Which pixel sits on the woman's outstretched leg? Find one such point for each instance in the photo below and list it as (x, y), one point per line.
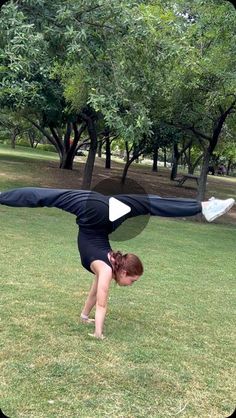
(90, 208)
(210, 209)
(32, 197)
(72, 201)
(160, 206)
(174, 207)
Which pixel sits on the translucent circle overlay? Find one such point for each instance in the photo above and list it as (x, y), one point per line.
(112, 187)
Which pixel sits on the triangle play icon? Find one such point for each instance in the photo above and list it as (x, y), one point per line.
(117, 209)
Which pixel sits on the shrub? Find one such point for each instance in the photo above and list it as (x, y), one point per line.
(23, 142)
(46, 147)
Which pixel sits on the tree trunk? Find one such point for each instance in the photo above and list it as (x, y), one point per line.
(213, 142)
(66, 150)
(88, 170)
(13, 140)
(67, 160)
(16, 132)
(197, 162)
(100, 149)
(108, 152)
(175, 162)
(155, 158)
(31, 139)
(189, 161)
(125, 171)
(192, 164)
(203, 176)
(229, 163)
(57, 142)
(138, 150)
(67, 157)
(164, 151)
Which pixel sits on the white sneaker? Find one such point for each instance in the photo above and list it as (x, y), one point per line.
(216, 207)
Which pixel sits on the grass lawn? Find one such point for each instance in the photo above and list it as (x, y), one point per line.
(170, 339)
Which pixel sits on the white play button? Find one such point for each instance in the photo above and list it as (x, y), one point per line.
(117, 209)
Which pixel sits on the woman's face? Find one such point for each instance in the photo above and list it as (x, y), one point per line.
(123, 279)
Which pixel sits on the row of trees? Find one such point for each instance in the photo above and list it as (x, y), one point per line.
(150, 74)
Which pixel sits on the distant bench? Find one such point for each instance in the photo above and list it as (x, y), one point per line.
(181, 180)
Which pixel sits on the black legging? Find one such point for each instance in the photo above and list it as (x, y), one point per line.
(92, 208)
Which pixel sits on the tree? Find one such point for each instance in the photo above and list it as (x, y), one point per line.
(35, 89)
(133, 152)
(226, 149)
(54, 103)
(31, 33)
(130, 64)
(200, 87)
(11, 126)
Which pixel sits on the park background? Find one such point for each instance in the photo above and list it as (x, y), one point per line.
(135, 89)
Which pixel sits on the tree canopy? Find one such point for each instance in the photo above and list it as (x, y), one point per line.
(129, 67)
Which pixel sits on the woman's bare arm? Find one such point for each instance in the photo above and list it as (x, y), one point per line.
(90, 302)
(104, 277)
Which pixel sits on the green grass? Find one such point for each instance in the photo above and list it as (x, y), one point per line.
(22, 166)
(170, 339)
(8, 154)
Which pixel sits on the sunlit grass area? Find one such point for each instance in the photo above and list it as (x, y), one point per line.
(9, 154)
(170, 338)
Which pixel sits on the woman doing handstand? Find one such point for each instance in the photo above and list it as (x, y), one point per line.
(92, 216)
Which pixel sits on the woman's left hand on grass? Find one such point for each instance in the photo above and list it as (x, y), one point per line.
(87, 321)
